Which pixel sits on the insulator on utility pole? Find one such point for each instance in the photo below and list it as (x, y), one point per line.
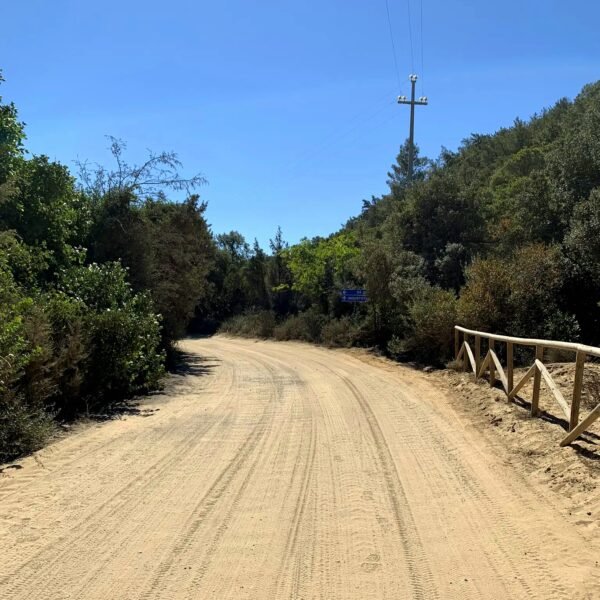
(422, 101)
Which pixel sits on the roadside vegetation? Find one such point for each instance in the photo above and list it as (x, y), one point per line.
(99, 277)
(502, 235)
(101, 271)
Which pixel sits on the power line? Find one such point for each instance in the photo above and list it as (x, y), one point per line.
(387, 9)
(336, 135)
(347, 135)
(295, 175)
(410, 37)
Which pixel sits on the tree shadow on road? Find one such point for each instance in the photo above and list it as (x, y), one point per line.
(188, 363)
(184, 368)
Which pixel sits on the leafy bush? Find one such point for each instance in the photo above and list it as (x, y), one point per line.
(123, 334)
(485, 300)
(432, 317)
(258, 324)
(23, 429)
(339, 332)
(51, 347)
(305, 326)
(518, 296)
(24, 425)
(15, 352)
(583, 240)
(167, 250)
(70, 339)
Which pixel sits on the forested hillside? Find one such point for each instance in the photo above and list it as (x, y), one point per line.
(101, 273)
(501, 235)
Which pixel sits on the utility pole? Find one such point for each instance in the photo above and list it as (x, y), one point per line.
(413, 102)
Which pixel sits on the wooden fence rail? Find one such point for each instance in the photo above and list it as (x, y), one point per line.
(491, 363)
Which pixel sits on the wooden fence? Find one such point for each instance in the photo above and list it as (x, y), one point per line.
(471, 356)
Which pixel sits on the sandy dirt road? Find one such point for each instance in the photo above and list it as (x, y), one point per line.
(285, 471)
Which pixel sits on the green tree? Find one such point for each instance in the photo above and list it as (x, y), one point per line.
(583, 238)
(320, 266)
(398, 175)
(45, 209)
(12, 136)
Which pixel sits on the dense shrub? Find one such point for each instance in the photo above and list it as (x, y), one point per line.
(583, 240)
(51, 346)
(167, 251)
(24, 424)
(519, 296)
(485, 300)
(23, 428)
(70, 343)
(431, 317)
(340, 332)
(305, 326)
(122, 334)
(254, 324)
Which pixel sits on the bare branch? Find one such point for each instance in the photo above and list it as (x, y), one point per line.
(159, 172)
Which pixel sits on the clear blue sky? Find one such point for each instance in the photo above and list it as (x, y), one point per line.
(286, 107)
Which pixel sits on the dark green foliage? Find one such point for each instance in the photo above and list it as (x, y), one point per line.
(343, 332)
(12, 135)
(181, 257)
(583, 241)
(429, 335)
(22, 429)
(305, 326)
(95, 284)
(24, 425)
(122, 333)
(260, 324)
(502, 235)
(521, 296)
(398, 175)
(44, 209)
(166, 248)
(438, 213)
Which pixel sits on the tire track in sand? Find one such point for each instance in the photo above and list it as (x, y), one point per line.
(209, 501)
(419, 570)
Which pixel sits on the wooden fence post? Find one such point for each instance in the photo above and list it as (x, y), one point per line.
(456, 343)
(578, 385)
(467, 350)
(537, 379)
(492, 365)
(510, 365)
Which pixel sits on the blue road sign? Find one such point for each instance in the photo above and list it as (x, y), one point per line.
(354, 295)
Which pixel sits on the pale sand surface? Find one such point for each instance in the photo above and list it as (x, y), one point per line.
(281, 470)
